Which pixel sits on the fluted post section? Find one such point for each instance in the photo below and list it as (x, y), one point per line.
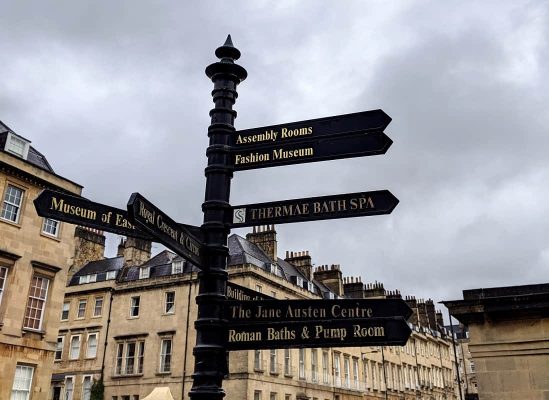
(209, 353)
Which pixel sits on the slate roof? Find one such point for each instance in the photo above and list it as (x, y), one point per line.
(100, 267)
(160, 265)
(241, 251)
(34, 157)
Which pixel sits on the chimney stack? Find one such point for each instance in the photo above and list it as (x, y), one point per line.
(89, 245)
(331, 277)
(302, 261)
(265, 238)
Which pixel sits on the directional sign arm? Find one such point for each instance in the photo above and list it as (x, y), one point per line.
(81, 211)
(305, 151)
(168, 232)
(314, 208)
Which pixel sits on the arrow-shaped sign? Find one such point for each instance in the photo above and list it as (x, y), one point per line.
(366, 121)
(265, 311)
(339, 333)
(168, 232)
(81, 211)
(314, 208)
(311, 150)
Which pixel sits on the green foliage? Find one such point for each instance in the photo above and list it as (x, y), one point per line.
(97, 390)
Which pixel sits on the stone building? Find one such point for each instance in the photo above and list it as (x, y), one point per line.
(34, 255)
(509, 339)
(150, 337)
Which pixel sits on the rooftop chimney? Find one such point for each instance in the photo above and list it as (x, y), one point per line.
(265, 238)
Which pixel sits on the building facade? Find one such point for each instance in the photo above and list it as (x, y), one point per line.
(508, 339)
(34, 256)
(150, 337)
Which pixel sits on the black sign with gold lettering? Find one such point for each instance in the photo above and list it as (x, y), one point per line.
(314, 208)
(310, 150)
(265, 311)
(366, 121)
(168, 232)
(81, 211)
(241, 293)
(339, 333)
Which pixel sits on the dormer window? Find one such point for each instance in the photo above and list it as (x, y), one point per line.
(144, 272)
(17, 145)
(177, 267)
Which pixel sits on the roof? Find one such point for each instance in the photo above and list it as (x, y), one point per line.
(34, 157)
(100, 268)
(159, 265)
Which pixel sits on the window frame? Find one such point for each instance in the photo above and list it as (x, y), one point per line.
(163, 355)
(38, 300)
(166, 302)
(47, 222)
(18, 207)
(102, 300)
(72, 379)
(71, 347)
(78, 309)
(273, 359)
(62, 337)
(30, 381)
(121, 357)
(96, 334)
(4, 281)
(63, 310)
(9, 146)
(134, 306)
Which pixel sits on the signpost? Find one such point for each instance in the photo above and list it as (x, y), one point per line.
(251, 320)
(80, 211)
(164, 229)
(314, 208)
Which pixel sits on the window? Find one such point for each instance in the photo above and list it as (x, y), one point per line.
(129, 357)
(347, 371)
(177, 267)
(257, 395)
(11, 206)
(86, 387)
(355, 373)
(69, 387)
(325, 373)
(134, 306)
(258, 288)
(314, 365)
(144, 272)
(91, 350)
(169, 304)
(337, 370)
(472, 365)
(3, 278)
(258, 364)
(75, 347)
(273, 396)
(287, 362)
(273, 361)
(65, 311)
(50, 227)
(98, 307)
(301, 363)
(17, 146)
(81, 309)
(110, 275)
(36, 303)
(22, 382)
(165, 355)
(59, 348)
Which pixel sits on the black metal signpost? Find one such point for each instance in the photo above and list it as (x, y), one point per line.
(247, 320)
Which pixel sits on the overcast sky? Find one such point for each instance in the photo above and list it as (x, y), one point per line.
(114, 94)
